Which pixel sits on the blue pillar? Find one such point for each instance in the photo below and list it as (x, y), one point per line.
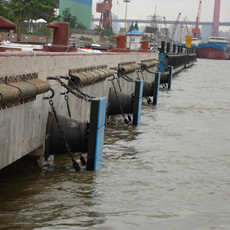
(96, 134)
(162, 59)
(156, 88)
(170, 77)
(137, 102)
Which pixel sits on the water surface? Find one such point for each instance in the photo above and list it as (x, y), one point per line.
(171, 172)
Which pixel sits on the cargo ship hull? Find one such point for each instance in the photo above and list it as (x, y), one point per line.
(212, 53)
(215, 48)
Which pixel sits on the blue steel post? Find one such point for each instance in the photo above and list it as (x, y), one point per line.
(170, 77)
(137, 102)
(96, 134)
(185, 65)
(156, 88)
(162, 58)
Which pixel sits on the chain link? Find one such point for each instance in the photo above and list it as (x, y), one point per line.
(146, 97)
(126, 119)
(79, 91)
(77, 94)
(75, 164)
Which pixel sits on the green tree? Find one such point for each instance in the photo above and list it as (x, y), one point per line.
(68, 17)
(109, 31)
(145, 37)
(131, 27)
(80, 26)
(5, 10)
(100, 31)
(32, 9)
(136, 26)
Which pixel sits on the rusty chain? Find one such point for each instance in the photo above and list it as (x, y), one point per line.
(128, 118)
(77, 94)
(75, 164)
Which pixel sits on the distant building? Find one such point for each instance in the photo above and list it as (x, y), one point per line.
(82, 9)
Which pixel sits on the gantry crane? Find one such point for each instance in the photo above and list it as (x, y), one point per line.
(196, 30)
(106, 15)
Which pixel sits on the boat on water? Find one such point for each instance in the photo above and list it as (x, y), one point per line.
(215, 48)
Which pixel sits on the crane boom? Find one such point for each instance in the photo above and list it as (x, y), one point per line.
(186, 24)
(196, 30)
(175, 26)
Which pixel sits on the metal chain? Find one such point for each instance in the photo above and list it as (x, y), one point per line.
(125, 77)
(119, 85)
(146, 97)
(164, 64)
(75, 164)
(126, 120)
(79, 91)
(138, 76)
(67, 104)
(76, 94)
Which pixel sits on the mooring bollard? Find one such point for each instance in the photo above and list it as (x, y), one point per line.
(168, 48)
(96, 135)
(174, 48)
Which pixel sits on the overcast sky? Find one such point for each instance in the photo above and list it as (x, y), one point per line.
(141, 9)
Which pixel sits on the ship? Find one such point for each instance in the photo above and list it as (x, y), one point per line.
(214, 48)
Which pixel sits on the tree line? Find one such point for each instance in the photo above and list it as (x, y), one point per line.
(34, 9)
(29, 9)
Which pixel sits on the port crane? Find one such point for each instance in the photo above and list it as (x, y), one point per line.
(175, 26)
(106, 15)
(186, 24)
(196, 30)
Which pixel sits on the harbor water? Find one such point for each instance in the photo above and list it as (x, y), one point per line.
(170, 173)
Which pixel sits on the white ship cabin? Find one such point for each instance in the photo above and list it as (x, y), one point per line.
(218, 39)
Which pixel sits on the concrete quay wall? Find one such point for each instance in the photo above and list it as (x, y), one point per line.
(23, 127)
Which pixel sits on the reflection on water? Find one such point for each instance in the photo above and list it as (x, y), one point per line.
(171, 172)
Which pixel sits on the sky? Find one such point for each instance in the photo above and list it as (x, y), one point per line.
(142, 9)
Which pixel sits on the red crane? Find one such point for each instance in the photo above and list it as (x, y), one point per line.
(196, 30)
(106, 15)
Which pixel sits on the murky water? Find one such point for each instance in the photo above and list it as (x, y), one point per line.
(171, 172)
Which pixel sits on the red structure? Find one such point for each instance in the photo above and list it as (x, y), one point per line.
(60, 38)
(6, 24)
(121, 44)
(144, 46)
(216, 18)
(196, 30)
(106, 15)
(61, 32)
